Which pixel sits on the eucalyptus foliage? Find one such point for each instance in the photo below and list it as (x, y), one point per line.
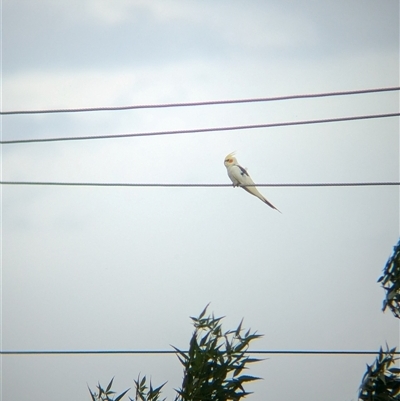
(106, 394)
(144, 393)
(213, 367)
(381, 381)
(390, 280)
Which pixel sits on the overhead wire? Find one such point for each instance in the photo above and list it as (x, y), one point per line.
(144, 352)
(201, 130)
(204, 103)
(189, 185)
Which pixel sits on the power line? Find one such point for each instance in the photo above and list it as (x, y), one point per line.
(160, 352)
(184, 185)
(205, 103)
(199, 130)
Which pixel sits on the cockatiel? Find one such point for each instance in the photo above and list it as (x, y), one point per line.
(240, 177)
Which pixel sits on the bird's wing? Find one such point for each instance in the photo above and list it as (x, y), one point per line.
(242, 175)
(234, 174)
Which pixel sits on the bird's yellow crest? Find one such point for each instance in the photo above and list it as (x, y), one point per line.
(230, 159)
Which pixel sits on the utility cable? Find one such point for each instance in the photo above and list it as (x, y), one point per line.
(183, 185)
(205, 103)
(198, 130)
(123, 352)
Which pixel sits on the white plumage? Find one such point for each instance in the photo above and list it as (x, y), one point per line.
(240, 177)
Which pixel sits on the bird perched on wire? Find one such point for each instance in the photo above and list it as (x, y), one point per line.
(240, 177)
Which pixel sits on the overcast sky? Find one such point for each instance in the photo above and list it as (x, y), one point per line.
(94, 268)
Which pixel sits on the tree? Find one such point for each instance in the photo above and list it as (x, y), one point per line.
(381, 381)
(390, 280)
(212, 368)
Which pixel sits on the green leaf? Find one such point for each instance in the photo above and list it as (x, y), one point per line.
(204, 311)
(239, 329)
(158, 389)
(238, 371)
(252, 360)
(109, 385)
(121, 395)
(183, 354)
(246, 378)
(91, 394)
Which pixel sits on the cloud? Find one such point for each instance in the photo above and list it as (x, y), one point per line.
(50, 36)
(113, 13)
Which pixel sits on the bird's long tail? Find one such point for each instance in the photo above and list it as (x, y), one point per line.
(252, 190)
(271, 205)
